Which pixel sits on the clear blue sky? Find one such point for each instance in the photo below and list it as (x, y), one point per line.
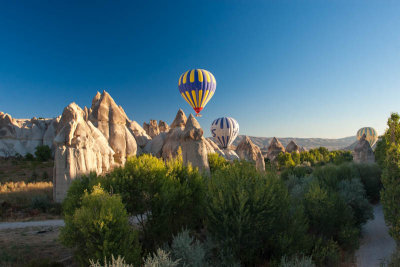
(283, 68)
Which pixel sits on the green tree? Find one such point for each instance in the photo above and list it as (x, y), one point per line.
(100, 228)
(390, 194)
(43, 153)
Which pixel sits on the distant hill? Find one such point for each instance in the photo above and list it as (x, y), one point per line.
(331, 144)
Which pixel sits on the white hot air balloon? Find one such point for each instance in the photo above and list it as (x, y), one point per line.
(225, 130)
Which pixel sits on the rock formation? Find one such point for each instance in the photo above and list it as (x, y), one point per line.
(275, 147)
(246, 150)
(292, 147)
(172, 140)
(22, 136)
(142, 138)
(163, 126)
(363, 152)
(194, 147)
(111, 120)
(80, 149)
(152, 128)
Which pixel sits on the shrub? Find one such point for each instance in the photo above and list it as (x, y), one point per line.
(370, 175)
(245, 211)
(115, 262)
(189, 251)
(100, 228)
(216, 162)
(160, 258)
(43, 153)
(326, 252)
(302, 261)
(29, 157)
(41, 202)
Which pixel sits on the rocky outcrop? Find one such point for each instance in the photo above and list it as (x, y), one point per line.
(180, 120)
(80, 148)
(246, 150)
(152, 128)
(155, 146)
(275, 147)
(194, 145)
(142, 138)
(230, 155)
(111, 120)
(363, 152)
(173, 138)
(292, 147)
(163, 126)
(22, 136)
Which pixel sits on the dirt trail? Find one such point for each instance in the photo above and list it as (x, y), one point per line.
(376, 244)
(15, 225)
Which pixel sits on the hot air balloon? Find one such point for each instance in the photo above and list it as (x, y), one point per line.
(197, 87)
(225, 130)
(370, 134)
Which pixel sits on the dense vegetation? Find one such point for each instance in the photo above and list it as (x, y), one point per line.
(313, 157)
(234, 216)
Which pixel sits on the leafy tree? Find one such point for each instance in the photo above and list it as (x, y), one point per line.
(380, 151)
(43, 153)
(100, 228)
(390, 195)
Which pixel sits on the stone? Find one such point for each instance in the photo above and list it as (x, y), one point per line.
(230, 155)
(155, 145)
(194, 148)
(274, 149)
(108, 117)
(80, 148)
(142, 138)
(152, 128)
(246, 150)
(363, 152)
(163, 126)
(292, 147)
(180, 120)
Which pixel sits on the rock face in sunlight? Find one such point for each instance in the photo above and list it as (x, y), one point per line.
(111, 120)
(194, 145)
(22, 136)
(275, 147)
(102, 137)
(80, 149)
(363, 152)
(292, 147)
(246, 150)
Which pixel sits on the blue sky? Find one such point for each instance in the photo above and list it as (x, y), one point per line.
(283, 68)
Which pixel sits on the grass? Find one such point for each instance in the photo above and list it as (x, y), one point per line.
(21, 193)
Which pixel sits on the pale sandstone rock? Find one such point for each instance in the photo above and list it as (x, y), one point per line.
(230, 154)
(363, 152)
(155, 145)
(292, 147)
(80, 149)
(163, 126)
(194, 148)
(111, 121)
(180, 120)
(152, 128)
(173, 139)
(274, 149)
(246, 150)
(142, 138)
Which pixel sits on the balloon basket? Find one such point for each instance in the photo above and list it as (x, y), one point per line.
(198, 115)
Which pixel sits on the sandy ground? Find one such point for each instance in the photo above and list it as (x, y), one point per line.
(376, 244)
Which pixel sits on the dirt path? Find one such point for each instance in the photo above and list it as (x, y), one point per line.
(376, 244)
(16, 225)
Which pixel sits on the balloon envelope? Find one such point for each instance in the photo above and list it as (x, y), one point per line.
(225, 130)
(370, 134)
(197, 87)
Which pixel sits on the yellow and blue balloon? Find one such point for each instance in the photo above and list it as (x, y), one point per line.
(197, 87)
(370, 134)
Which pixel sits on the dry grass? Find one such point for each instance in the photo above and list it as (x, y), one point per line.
(21, 193)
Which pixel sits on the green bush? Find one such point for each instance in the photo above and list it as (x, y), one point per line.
(245, 212)
(326, 252)
(297, 261)
(41, 202)
(29, 157)
(188, 250)
(370, 175)
(43, 153)
(216, 162)
(100, 228)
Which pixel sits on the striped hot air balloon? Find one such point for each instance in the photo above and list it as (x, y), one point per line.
(197, 87)
(370, 134)
(225, 130)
